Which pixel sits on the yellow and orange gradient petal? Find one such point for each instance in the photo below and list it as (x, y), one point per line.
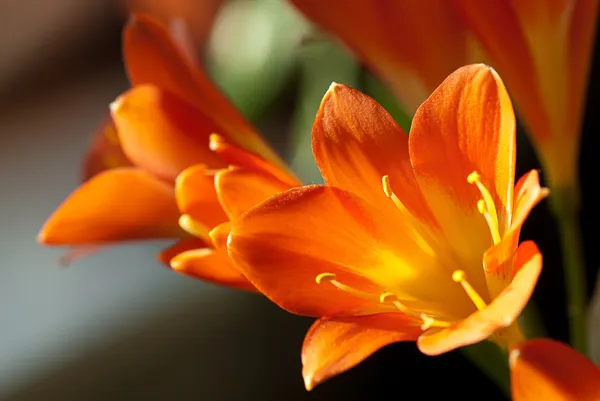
(548, 370)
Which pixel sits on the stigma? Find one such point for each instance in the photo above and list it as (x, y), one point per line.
(486, 206)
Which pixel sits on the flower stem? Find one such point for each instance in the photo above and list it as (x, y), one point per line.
(492, 361)
(565, 205)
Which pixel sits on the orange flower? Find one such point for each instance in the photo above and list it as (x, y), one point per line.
(543, 50)
(548, 370)
(410, 46)
(412, 237)
(158, 128)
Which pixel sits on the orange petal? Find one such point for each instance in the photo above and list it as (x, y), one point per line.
(497, 27)
(220, 234)
(162, 133)
(199, 15)
(196, 196)
(466, 125)
(333, 346)
(284, 243)
(210, 265)
(356, 142)
(412, 67)
(240, 189)
(179, 247)
(528, 193)
(499, 314)
(105, 152)
(116, 205)
(153, 55)
(242, 158)
(548, 370)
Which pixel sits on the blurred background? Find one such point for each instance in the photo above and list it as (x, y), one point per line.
(119, 326)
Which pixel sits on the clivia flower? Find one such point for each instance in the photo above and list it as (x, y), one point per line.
(413, 237)
(157, 130)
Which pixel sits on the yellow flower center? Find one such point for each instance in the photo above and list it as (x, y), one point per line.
(486, 207)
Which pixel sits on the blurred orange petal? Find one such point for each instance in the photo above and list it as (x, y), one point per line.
(115, 205)
(333, 346)
(105, 152)
(199, 15)
(239, 189)
(356, 142)
(498, 317)
(433, 44)
(237, 156)
(543, 369)
(196, 196)
(212, 265)
(162, 133)
(220, 234)
(179, 247)
(153, 55)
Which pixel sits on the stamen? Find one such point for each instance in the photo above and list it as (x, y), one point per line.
(387, 190)
(331, 278)
(429, 322)
(416, 225)
(327, 277)
(393, 299)
(486, 206)
(459, 276)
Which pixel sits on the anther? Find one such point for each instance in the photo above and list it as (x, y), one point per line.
(387, 187)
(324, 277)
(459, 276)
(429, 322)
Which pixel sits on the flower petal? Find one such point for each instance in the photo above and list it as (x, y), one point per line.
(179, 247)
(497, 27)
(153, 55)
(499, 314)
(466, 125)
(161, 133)
(115, 205)
(196, 196)
(239, 189)
(548, 370)
(237, 156)
(105, 152)
(356, 142)
(284, 243)
(333, 346)
(413, 66)
(212, 265)
(528, 193)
